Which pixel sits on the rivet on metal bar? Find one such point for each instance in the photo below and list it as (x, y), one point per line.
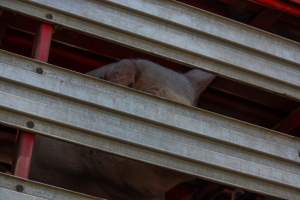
(19, 188)
(30, 124)
(49, 16)
(39, 70)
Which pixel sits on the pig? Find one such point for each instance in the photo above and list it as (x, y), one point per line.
(99, 173)
(157, 80)
(106, 175)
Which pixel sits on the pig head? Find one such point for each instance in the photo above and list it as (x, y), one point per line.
(157, 80)
(106, 175)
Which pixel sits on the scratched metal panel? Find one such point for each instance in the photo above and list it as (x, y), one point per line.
(6, 194)
(183, 34)
(29, 190)
(95, 113)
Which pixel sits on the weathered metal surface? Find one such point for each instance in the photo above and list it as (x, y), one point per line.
(12, 195)
(98, 114)
(13, 188)
(183, 34)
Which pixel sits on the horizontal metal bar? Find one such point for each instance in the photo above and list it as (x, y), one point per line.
(13, 188)
(217, 26)
(12, 195)
(183, 34)
(112, 118)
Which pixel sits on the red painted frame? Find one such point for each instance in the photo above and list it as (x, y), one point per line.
(26, 141)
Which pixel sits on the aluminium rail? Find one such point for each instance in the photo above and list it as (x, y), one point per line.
(92, 112)
(180, 33)
(13, 188)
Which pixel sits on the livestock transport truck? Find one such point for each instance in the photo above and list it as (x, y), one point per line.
(66, 135)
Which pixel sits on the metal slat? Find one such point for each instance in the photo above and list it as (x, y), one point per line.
(12, 195)
(13, 188)
(183, 34)
(217, 26)
(98, 114)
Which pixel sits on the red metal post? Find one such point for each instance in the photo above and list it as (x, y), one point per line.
(26, 143)
(42, 42)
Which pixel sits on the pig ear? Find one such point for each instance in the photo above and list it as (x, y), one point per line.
(199, 79)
